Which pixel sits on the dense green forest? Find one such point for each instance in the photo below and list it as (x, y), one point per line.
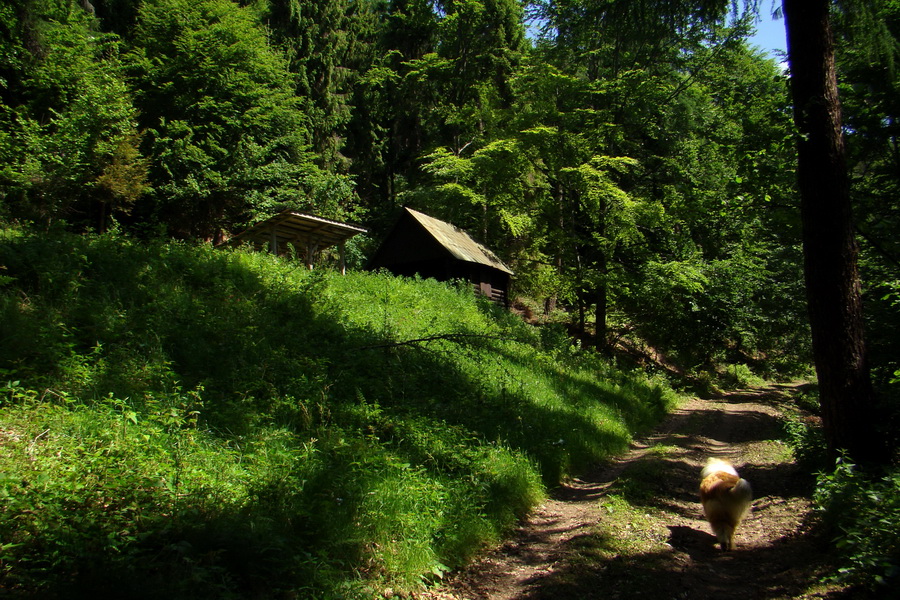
(635, 167)
(634, 162)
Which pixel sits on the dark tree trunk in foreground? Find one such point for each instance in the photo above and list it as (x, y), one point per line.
(829, 244)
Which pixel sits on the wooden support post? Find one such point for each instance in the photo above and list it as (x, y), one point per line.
(343, 264)
(273, 245)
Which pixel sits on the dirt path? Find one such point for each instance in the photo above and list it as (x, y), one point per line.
(633, 528)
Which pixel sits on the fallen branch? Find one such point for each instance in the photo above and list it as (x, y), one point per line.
(453, 337)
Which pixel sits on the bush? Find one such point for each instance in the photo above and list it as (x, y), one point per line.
(734, 376)
(865, 514)
(806, 441)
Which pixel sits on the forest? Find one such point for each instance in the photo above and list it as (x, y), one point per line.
(648, 175)
(634, 166)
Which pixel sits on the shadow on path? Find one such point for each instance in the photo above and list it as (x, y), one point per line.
(633, 528)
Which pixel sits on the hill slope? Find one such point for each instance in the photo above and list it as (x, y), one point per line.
(188, 422)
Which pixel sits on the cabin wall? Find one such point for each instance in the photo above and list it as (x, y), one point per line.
(410, 250)
(405, 246)
(491, 283)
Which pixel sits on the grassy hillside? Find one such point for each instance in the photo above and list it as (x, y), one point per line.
(184, 422)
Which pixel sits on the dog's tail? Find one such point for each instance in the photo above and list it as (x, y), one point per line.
(727, 510)
(716, 464)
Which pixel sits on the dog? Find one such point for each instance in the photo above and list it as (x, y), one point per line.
(725, 498)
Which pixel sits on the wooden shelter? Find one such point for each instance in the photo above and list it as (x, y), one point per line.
(308, 234)
(425, 246)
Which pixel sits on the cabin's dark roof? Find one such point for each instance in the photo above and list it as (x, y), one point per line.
(295, 227)
(458, 243)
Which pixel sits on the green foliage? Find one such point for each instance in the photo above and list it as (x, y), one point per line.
(802, 431)
(738, 376)
(633, 162)
(66, 130)
(806, 441)
(190, 422)
(864, 513)
(322, 39)
(227, 134)
(616, 141)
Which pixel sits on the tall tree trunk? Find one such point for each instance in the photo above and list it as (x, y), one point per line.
(550, 302)
(602, 311)
(601, 295)
(829, 244)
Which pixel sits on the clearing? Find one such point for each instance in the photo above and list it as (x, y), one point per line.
(634, 526)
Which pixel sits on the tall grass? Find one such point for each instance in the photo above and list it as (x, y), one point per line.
(184, 421)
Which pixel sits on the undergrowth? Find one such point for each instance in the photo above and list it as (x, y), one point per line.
(863, 513)
(859, 509)
(185, 422)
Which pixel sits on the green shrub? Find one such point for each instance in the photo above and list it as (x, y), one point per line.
(806, 441)
(864, 513)
(739, 376)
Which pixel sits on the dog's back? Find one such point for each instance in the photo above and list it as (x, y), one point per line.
(725, 498)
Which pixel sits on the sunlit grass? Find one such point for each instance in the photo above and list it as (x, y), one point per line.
(220, 417)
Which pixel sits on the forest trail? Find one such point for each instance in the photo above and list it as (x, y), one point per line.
(634, 528)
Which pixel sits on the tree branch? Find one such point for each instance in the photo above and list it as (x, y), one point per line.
(453, 337)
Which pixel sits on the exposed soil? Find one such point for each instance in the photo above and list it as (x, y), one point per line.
(634, 528)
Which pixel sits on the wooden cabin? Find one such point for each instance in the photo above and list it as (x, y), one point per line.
(425, 246)
(308, 235)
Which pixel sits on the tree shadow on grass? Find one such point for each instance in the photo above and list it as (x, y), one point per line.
(562, 436)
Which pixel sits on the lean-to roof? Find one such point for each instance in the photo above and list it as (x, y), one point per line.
(458, 242)
(296, 227)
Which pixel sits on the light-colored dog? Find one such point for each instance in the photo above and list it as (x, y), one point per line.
(725, 498)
